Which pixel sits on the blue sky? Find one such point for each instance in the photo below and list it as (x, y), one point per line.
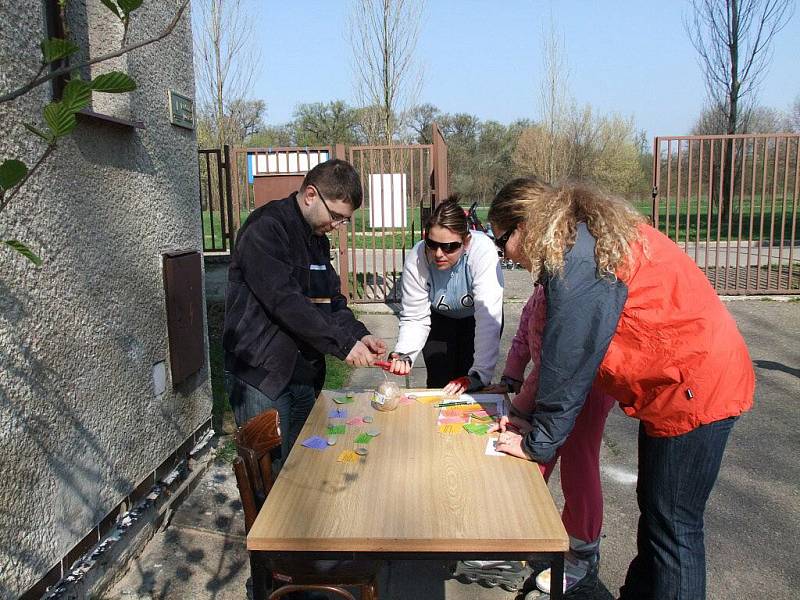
(484, 57)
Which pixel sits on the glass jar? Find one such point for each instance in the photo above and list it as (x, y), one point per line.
(386, 396)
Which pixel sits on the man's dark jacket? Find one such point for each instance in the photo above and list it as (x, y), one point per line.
(277, 268)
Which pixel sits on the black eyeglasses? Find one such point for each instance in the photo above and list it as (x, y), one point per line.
(447, 247)
(336, 218)
(503, 239)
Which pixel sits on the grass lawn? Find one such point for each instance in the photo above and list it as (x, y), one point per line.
(338, 372)
(212, 236)
(705, 221)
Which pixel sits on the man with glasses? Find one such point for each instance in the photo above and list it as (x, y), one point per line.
(284, 308)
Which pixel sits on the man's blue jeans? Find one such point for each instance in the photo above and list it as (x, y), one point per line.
(676, 475)
(293, 404)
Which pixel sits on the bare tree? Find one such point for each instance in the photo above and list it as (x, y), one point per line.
(793, 118)
(759, 119)
(383, 37)
(554, 102)
(225, 60)
(733, 39)
(419, 121)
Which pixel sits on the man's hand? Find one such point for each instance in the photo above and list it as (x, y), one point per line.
(375, 344)
(360, 355)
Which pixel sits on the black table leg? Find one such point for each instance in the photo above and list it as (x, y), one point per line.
(557, 577)
(261, 576)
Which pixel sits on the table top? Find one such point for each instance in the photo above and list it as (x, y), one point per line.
(417, 490)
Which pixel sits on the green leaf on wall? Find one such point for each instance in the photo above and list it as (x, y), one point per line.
(128, 6)
(24, 250)
(11, 173)
(77, 95)
(112, 6)
(113, 82)
(56, 49)
(60, 118)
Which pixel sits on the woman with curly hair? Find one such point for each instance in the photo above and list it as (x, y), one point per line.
(631, 313)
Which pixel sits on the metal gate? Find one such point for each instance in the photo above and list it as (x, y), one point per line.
(402, 184)
(731, 203)
(397, 194)
(215, 199)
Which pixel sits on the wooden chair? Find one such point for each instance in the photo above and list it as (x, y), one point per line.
(255, 441)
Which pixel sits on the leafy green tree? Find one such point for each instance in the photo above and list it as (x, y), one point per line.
(325, 123)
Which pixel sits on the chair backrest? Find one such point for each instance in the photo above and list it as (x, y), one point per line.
(246, 493)
(328, 589)
(255, 441)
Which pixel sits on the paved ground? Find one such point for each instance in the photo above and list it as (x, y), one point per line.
(753, 517)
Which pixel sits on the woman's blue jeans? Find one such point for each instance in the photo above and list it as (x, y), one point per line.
(676, 475)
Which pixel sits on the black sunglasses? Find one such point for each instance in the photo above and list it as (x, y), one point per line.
(447, 247)
(503, 239)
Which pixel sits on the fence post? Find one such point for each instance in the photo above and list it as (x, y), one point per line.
(233, 171)
(229, 197)
(440, 178)
(656, 176)
(340, 152)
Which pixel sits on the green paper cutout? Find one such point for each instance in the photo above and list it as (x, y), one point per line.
(344, 400)
(477, 428)
(363, 438)
(337, 430)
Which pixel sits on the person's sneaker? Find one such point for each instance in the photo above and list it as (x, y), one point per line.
(579, 574)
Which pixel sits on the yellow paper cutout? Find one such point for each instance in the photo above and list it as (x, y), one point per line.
(348, 456)
(428, 399)
(451, 428)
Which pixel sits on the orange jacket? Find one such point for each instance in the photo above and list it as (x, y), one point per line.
(657, 338)
(677, 359)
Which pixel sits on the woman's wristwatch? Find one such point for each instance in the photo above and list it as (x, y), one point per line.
(509, 382)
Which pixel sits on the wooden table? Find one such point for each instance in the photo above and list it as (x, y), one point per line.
(417, 494)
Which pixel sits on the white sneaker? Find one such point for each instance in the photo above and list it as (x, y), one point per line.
(578, 573)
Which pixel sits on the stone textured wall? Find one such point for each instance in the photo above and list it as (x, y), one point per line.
(80, 425)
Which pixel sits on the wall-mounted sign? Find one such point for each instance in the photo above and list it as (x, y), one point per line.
(181, 110)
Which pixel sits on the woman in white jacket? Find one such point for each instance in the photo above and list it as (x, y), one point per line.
(452, 304)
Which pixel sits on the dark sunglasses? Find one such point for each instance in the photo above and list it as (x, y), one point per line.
(503, 239)
(447, 247)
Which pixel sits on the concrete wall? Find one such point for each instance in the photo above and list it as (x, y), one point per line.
(80, 425)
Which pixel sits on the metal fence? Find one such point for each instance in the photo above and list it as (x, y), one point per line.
(397, 197)
(401, 183)
(215, 199)
(731, 203)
